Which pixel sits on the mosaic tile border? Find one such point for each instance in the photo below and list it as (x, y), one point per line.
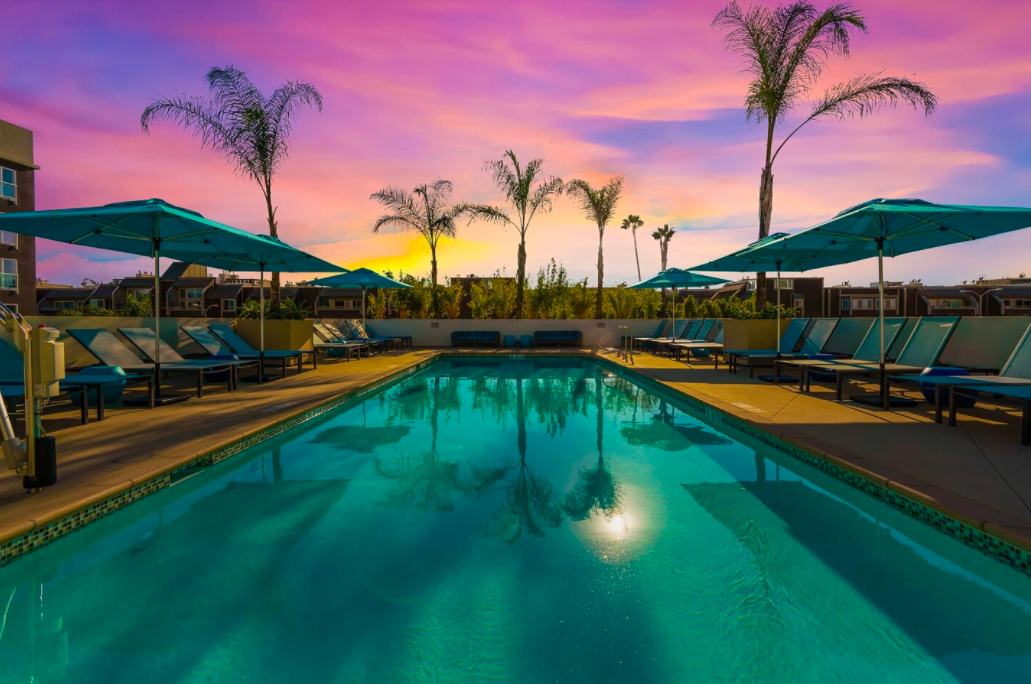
(38, 538)
(35, 539)
(991, 546)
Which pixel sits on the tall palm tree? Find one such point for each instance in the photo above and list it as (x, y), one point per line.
(633, 222)
(249, 130)
(664, 235)
(528, 192)
(598, 205)
(785, 51)
(428, 210)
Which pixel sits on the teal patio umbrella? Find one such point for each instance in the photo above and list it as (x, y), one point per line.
(877, 228)
(155, 228)
(360, 277)
(752, 260)
(675, 278)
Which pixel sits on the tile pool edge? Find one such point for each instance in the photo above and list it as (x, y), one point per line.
(25, 538)
(917, 505)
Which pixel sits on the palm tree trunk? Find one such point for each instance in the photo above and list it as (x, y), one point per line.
(663, 252)
(765, 209)
(598, 303)
(273, 230)
(520, 276)
(433, 278)
(636, 257)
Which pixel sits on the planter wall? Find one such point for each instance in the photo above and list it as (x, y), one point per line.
(279, 335)
(752, 334)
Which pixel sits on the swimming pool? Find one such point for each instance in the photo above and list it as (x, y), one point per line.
(484, 521)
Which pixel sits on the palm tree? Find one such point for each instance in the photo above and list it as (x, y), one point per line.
(786, 51)
(428, 210)
(528, 193)
(633, 222)
(249, 130)
(664, 235)
(598, 205)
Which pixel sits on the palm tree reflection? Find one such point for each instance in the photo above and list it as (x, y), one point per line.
(596, 489)
(427, 481)
(530, 503)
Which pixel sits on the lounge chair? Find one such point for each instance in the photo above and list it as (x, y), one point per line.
(143, 340)
(654, 335)
(12, 382)
(868, 349)
(406, 340)
(215, 346)
(106, 348)
(678, 329)
(790, 338)
(245, 351)
(360, 333)
(699, 349)
(326, 340)
(921, 351)
(346, 335)
(1014, 373)
(705, 331)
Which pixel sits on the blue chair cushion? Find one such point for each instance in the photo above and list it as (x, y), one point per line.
(526, 340)
(927, 389)
(510, 340)
(112, 392)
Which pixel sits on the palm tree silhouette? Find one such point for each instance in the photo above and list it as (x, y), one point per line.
(249, 130)
(598, 205)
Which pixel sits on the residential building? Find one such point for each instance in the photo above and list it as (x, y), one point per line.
(804, 294)
(17, 193)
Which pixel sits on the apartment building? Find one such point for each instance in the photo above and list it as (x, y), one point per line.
(17, 193)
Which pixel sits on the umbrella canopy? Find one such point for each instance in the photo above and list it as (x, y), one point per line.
(674, 278)
(874, 229)
(155, 228)
(360, 277)
(677, 277)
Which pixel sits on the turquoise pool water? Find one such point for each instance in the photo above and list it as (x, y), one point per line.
(511, 521)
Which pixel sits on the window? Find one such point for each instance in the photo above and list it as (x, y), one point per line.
(339, 303)
(229, 305)
(8, 184)
(140, 292)
(868, 303)
(1018, 303)
(786, 283)
(63, 304)
(99, 303)
(8, 238)
(947, 303)
(8, 274)
(191, 297)
(798, 302)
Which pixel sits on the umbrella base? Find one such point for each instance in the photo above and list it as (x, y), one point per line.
(163, 400)
(877, 401)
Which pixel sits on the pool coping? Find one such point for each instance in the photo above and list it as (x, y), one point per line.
(990, 539)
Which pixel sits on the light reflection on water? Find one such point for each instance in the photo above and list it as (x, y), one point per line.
(511, 522)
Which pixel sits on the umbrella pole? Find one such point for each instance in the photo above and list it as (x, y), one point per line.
(261, 317)
(778, 309)
(880, 296)
(363, 307)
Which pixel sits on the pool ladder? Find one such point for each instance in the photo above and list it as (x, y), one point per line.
(627, 349)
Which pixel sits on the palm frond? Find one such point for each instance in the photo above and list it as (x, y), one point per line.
(864, 95)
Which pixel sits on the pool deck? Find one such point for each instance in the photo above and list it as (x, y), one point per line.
(977, 473)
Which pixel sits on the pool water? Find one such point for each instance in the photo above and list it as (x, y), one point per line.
(512, 521)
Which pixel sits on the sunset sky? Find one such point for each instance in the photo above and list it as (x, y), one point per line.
(419, 90)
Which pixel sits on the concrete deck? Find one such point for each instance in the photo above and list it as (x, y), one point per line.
(977, 473)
